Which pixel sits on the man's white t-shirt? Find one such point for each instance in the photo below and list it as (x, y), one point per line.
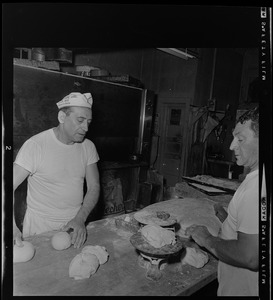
(243, 212)
(55, 184)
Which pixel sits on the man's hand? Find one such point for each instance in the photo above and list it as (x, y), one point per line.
(220, 212)
(17, 236)
(79, 232)
(199, 234)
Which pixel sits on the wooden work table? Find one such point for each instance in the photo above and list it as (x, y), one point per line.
(48, 272)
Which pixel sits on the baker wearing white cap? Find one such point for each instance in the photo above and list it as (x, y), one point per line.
(58, 160)
(76, 126)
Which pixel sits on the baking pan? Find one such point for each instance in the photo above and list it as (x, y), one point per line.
(227, 190)
(206, 189)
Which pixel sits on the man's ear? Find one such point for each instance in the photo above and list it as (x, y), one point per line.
(61, 116)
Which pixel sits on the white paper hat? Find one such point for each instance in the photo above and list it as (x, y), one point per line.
(76, 99)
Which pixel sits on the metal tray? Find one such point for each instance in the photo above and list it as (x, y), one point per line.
(203, 190)
(225, 190)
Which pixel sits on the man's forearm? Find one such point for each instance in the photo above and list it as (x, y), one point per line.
(13, 212)
(229, 252)
(89, 202)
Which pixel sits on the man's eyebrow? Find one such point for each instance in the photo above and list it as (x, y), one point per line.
(239, 133)
(236, 132)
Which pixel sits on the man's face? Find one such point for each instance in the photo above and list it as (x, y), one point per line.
(76, 124)
(245, 145)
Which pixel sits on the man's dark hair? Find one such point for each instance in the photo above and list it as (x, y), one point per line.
(253, 116)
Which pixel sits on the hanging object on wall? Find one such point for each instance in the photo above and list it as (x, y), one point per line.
(220, 132)
(221, 129)
(211, 104)
(209, 126)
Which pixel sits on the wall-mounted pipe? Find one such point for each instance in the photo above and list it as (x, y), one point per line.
(210, 97)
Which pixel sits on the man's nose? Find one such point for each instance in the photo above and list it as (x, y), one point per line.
(85, 126)
(232, 145)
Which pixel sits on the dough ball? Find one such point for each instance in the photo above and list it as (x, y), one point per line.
(158, 236)
(195, 257)
(99, 251)
(23, 254)
(83, 265)
(61, 240)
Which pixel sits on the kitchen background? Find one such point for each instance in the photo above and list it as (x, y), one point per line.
(192, 98)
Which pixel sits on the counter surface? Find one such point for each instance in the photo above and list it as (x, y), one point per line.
(47, 273)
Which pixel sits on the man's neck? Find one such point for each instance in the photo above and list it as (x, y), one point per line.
(61, 136)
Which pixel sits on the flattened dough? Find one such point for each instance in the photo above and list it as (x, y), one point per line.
(99, 251)
(189, 211)
(86, 263)
(195, 257)
(83, 265)
(158, 236)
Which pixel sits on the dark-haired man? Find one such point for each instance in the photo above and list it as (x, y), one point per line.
(237, 245)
